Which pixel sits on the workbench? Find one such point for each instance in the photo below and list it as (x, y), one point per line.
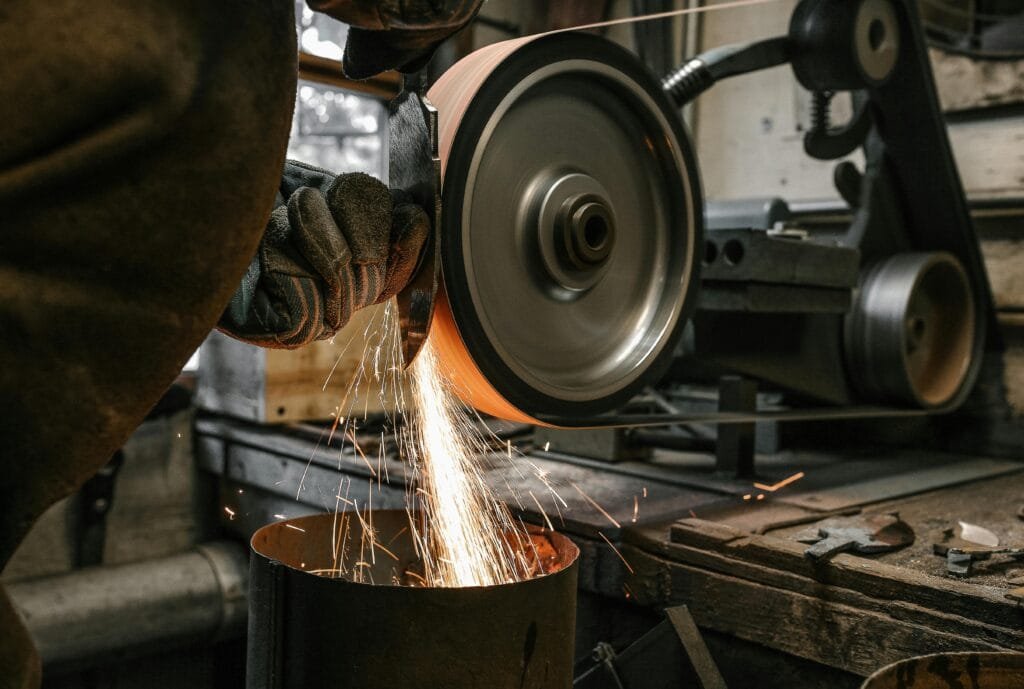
(697, 541)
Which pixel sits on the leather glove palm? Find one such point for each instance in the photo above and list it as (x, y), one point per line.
(333, 245)
(395, 34)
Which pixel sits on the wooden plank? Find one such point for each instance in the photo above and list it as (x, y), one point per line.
(701, 532)
(967, 84)
(1004, 261)
(312, 383)
(989, 155)
(895, 585)
(341, 376)
(326, 71)
(696, 650)
(909, 611)
(825, 631)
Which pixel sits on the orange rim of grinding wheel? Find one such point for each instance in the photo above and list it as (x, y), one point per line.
(467, 97)
(470, 383)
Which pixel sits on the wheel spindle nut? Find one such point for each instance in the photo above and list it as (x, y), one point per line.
(588, 232)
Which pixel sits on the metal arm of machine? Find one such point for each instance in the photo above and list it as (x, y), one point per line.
(415, 168)
(825, 55)
(698, 74)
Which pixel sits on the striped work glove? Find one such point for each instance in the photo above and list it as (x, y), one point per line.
(333, 245)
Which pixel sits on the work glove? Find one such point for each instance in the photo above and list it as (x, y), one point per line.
(395, 34)
(333, 245)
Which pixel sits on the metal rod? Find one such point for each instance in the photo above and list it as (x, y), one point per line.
(716, 417)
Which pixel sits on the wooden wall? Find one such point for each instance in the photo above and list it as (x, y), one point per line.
(749, 130)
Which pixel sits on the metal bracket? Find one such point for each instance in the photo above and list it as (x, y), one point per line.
(414, 166)
(825, 142)
(648, 420)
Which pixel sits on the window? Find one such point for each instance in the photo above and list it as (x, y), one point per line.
(338, 130)
(319, 35)
(338, 125)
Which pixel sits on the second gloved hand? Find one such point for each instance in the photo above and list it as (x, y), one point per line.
(334, 245)
(395, 34)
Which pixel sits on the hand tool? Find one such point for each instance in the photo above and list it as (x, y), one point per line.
(866, 535)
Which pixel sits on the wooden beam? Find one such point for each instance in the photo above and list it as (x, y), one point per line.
(325, 71)
(827, 631)
(853, 613)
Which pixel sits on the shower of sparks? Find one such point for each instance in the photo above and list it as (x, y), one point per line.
(464, 538)
(463, 534)
(543, 512)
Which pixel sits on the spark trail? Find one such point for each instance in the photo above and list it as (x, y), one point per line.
(468, 536)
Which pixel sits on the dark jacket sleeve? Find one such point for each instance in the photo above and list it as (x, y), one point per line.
(141, 145)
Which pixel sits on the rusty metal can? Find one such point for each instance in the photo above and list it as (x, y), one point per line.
(311, 624)
(945, 670)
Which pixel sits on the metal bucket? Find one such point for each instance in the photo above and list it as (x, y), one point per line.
(947, 670)
(311, 631)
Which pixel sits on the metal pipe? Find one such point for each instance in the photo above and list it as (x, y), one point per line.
(698, 74)
(83, 618)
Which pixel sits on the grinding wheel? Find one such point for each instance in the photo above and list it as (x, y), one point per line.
(571, 228)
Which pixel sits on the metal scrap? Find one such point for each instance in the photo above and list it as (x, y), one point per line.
(972, 544)
(866, 535)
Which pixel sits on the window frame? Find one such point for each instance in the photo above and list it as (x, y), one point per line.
(326, 71)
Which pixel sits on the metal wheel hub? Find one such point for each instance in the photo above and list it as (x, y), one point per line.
(910, 335)
(571, 226)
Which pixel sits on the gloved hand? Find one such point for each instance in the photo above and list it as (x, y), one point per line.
(333, 245)
(395, 34)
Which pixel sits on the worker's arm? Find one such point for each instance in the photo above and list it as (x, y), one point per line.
(395, 34)
(333, 245)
